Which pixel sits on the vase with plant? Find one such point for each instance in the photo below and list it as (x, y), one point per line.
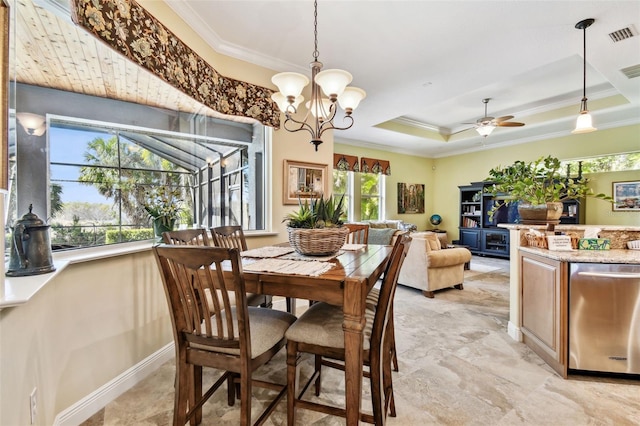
(162, 204)
(538, 187)
(316, 229)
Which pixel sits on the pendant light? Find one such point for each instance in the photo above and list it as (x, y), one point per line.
(584, 123)
(320, 110)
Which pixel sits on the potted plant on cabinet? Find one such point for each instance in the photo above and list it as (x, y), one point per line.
(162, 203)
(315, 229)
(539, 188)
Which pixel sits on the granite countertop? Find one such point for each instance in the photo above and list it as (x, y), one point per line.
(588, 256)
(570, 227)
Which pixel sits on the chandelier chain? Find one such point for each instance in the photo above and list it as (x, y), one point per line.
(315, 30)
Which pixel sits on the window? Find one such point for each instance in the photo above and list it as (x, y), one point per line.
(100, 174)
(371, 196)
(605, 163)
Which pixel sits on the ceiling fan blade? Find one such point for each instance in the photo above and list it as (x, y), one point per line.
(504, 118)
(509, 124)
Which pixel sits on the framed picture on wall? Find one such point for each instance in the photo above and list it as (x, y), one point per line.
(410, 198)
(626, 196)
(304, 181)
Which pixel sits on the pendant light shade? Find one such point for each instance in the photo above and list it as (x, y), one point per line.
(283, 102)
(584, 123)
(290, 83)
(350, 98)
(333, 82)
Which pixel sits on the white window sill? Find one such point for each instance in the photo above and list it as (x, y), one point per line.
(16, 291)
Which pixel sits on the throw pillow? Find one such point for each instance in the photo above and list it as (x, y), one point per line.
(433, 241)
(381, 236)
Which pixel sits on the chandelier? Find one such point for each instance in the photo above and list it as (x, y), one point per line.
(320, 110)
(584, 123)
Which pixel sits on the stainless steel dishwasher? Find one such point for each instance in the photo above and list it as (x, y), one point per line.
(604, 317)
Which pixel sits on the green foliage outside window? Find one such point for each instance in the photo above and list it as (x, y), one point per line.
(369, 196)
(608, 163)
(341, 189)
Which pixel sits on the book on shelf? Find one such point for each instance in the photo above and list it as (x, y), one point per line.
(467, 222)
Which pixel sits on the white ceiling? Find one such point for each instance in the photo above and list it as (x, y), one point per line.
(434, 61)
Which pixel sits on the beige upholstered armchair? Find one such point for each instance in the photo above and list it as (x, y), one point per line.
(430, 267)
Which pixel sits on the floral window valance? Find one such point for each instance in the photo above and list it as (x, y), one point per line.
(131, 30)
(346, 163)
(372, 165)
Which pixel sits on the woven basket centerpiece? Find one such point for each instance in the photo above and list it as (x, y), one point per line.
(317, 241)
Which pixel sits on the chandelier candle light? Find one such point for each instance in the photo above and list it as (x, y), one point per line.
(584, 123)
(333, 83)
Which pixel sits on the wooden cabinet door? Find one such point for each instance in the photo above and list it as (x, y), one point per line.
(544, 284)
(471, 238)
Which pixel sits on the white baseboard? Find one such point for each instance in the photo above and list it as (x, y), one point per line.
(92, 403)
(514, 332)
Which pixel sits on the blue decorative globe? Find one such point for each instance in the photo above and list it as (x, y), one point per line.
(435, 219)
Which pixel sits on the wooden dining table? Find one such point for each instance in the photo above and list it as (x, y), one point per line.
(346, 284)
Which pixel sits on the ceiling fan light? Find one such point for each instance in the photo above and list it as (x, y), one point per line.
(485, 130)
(584, 124)
(333, 82)
(290, 83)
(350, 98)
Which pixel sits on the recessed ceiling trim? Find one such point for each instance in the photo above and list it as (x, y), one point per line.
(415, 123)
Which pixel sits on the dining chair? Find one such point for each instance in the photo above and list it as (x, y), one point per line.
(319, 332)
(358, 233)
(235, 338)
(199, 237)
(372, 299)
(229, 236)
(191, 237)
(233, 236)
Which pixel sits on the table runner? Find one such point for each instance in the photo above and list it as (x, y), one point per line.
(296, 267)
(298, 256)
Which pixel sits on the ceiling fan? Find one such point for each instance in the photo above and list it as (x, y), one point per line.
(485, 125)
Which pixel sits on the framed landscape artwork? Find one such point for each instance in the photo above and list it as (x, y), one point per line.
(304, 181)
(410, 198)
(626, 196)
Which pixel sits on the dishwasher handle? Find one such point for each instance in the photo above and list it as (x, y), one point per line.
(623, 275)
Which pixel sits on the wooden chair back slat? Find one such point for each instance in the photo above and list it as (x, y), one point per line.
(358, 233)
(229, 237)
(190, 237)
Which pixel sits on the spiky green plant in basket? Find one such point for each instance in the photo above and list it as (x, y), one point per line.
(316, 213)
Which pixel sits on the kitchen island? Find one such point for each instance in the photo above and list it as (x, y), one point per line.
(579, 308)
(618, 235)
